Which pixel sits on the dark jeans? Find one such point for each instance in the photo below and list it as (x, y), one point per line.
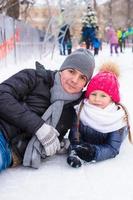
(5, 153)
(63, 48)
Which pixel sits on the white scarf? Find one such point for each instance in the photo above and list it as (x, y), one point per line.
(103, 120)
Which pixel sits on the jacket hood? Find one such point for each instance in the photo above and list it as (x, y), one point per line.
(48, 75)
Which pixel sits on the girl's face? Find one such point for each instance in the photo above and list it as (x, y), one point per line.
(99, 98)
(73, 81)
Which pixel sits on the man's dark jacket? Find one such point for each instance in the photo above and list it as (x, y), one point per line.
(24, 98)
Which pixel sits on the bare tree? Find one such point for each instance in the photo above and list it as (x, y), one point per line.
(27, 4)
(95, 5)
(10, 8)
(129, 13)
(110, 12)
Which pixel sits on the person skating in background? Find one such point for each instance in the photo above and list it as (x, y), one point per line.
(96, 44)
(34, 106)
(101, 122)
(64, 39)
(113, 40)
(124, 38)
(87, 35)
(121, 34)
(120, 39)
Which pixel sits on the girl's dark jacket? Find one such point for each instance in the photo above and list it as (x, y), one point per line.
(106, 145)
(24, 98)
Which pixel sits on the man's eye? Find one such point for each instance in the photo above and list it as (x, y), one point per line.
(84, 78)
(71, 71)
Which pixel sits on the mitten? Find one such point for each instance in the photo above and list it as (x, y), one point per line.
(85, 152)
(48, 136)
(73, 160)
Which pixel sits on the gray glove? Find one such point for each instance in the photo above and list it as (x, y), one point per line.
(48, 136)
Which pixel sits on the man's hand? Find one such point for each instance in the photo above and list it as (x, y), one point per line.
(48, 136)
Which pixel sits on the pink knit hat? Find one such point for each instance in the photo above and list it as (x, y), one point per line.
(105, 81)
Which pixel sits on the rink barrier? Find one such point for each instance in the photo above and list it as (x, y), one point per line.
(19, 42)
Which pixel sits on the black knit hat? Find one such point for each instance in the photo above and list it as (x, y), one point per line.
(82, 60)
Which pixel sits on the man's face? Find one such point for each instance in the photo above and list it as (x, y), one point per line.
(73, 81)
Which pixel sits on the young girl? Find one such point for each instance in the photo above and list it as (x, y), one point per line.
(113, 40)
(101, 123)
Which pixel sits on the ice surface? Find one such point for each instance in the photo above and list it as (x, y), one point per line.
(107, 180)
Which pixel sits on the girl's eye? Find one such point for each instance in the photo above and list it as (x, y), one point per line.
(93, 94)
(103, 95)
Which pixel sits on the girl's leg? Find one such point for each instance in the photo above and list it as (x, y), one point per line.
(111, 49)
(5, 153)
(116, 48)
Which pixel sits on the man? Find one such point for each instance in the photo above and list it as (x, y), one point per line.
(36, 109)
(64, 38)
